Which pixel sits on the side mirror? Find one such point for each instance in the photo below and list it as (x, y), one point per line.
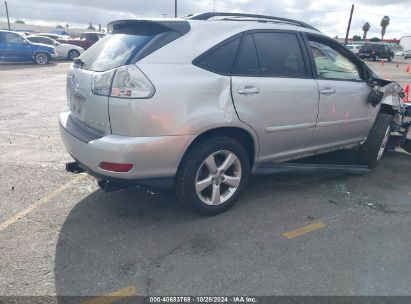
(25, 42)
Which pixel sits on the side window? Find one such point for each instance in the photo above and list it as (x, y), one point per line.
(13, 38)
(219, 59)
(34, 39)
(331, 63)
(1, 37)
(279, 54)
(247, 62)
(47, 41)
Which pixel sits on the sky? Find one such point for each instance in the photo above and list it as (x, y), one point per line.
(329, 16)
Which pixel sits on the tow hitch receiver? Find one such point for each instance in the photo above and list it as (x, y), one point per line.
(74, 167)
(109, 186)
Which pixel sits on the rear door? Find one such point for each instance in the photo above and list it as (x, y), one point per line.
(345, 114)
(274, 93)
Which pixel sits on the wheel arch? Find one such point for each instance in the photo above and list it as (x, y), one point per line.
(70, 50)
(244, 137)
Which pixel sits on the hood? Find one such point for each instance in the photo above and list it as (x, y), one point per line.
(40, 46)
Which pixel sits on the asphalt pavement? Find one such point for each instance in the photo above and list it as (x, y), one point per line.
(290, 234)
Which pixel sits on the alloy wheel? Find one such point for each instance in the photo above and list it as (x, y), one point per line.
(218, 177)
(41, 58)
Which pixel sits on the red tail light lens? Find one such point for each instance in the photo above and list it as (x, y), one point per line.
(116, 167)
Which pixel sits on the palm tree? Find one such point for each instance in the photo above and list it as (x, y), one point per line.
(385, 21)
(365, 28)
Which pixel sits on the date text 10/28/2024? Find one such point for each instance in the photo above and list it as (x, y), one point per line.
(203, 299)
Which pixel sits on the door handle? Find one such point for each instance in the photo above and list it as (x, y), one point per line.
(249, 90)
(328, 91)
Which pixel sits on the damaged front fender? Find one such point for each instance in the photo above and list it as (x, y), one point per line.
(390, 95)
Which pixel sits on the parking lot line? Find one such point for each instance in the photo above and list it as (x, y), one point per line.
(303, 230)
(113, 296)
(39, 203)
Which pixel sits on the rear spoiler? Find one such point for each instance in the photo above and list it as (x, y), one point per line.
(126, 26)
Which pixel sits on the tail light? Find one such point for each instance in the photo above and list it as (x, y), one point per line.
(116, 167)
(130, 82)
(101, 82)
(124, 82)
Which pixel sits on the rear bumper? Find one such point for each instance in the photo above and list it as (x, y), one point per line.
(152, 157)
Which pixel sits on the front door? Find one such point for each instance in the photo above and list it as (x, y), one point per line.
(17, 48)
(274, 94)
(345, 114)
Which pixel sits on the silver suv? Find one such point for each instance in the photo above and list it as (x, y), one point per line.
(200, 103)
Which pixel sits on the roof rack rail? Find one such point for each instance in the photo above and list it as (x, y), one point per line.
(209, 15)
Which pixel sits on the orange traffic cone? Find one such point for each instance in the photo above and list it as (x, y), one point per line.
(407, 69)
(382, 62)
(407, 93)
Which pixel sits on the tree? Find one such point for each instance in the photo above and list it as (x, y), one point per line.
(91, 27)
(366, 27)
(375, 39)
(20, 21)
(67, 26)
(385, 21)
(356, 38)
(60, 26)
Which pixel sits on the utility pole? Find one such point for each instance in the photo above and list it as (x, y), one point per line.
(175, 8)
(7, 13)
(349, 25)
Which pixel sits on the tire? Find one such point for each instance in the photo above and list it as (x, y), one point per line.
(390, 58)
(72, 54)
(41, 58)
(372, 150)
(198, 167)
(376, 58)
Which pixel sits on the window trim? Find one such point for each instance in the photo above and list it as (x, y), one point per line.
(330, 42)
(196, 61)
(240, 49)
(300, 40)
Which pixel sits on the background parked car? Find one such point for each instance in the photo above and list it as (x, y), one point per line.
(64, 50)
(50, 35)
(376, 52)
(14, 47)
(355, 48)
(399, 53)
(86, 39)
(405, 43)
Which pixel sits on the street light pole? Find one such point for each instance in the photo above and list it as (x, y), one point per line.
(349, 25)
(7, 13)
(175, 8)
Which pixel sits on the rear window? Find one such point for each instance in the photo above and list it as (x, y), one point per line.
(126, 45)
(113, 51)
(220, 59)
(247, 63)
(279, 54)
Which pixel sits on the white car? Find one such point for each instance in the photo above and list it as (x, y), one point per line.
(64, 51)
(354, 47)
